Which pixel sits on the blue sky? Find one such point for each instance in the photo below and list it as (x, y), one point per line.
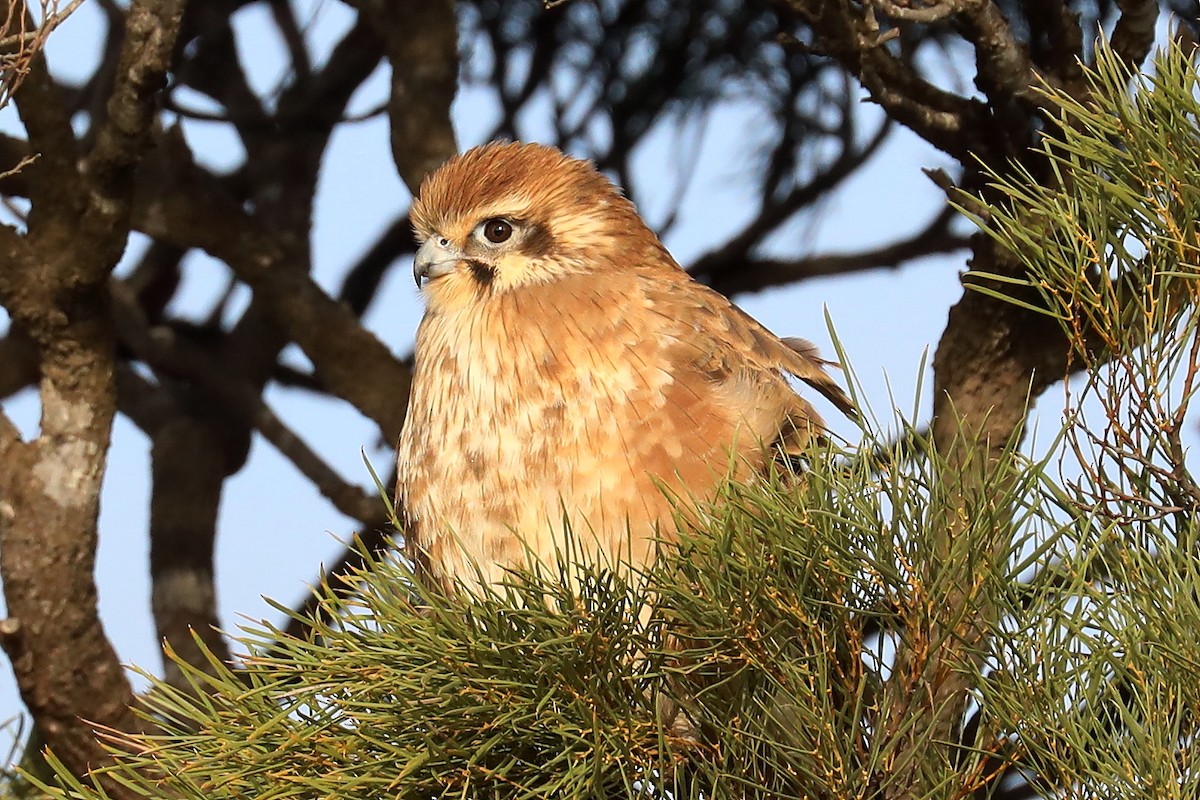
(275, 531)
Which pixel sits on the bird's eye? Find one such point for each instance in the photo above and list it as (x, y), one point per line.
(497, 231)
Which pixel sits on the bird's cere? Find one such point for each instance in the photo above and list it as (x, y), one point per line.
(435, 257)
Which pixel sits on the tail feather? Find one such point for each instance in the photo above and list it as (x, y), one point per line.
(805, 363)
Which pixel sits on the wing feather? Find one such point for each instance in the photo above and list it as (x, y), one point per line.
(727, 326)
(741, 363)
(796, 356)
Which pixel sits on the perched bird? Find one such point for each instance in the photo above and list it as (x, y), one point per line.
(568, 372)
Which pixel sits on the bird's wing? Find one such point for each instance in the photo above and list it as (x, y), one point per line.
(793, 355)
(719, 344)
(712, 314)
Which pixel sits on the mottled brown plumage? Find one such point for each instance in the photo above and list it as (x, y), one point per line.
(567, 369)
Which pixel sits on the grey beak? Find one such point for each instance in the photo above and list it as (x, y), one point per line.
(436, 257)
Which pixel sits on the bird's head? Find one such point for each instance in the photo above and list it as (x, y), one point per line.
(505, 216)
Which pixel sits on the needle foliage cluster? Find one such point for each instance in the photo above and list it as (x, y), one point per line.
(758, 673)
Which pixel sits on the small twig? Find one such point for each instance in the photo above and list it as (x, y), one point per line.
(22, 164)
(40, 33)
(1183, 488)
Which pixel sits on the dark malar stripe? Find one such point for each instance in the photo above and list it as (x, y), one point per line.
(484, 274)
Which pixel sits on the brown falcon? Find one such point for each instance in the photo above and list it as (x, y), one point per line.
(569, 373)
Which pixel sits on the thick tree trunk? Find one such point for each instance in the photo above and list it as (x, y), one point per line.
(67, 671)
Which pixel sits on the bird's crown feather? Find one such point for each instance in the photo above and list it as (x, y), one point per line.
(512, 178)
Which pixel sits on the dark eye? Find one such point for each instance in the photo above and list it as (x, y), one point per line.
(497, 231)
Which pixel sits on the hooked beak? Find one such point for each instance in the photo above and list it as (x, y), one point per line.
(436, 257)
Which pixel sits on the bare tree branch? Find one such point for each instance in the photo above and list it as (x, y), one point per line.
(424, 81)
(38, 35)
(362, 280)
(174, 357)
(54, 288)
(1133, 35)
(1005, 72)
(758, 274)
(342, 351)
(842, 30)
(53, 181)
